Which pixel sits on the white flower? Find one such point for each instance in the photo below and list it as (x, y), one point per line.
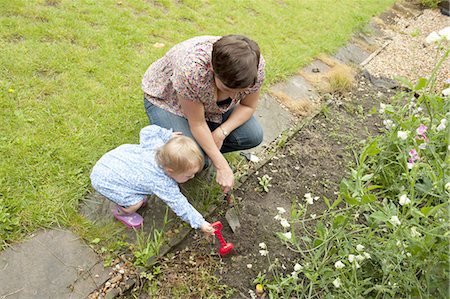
(357, 265)
(249, 266)
(294, 275)
(313, 216)
(447, 186)
(278, 217)
(297, 267)
(281, 210)
(382, 107)
(388, 123)
(404, 200)
(402, 135)
(360, 258)
(433, 37)
(394, 220)
(410, 165)
(288, 235)
(414, 232)
(446, 92)
(309, 198)
(423, 146)
(284, 223)
(262, 245)
(408, 254)
(337, 282)
(263, 252)
(360, 247)
(339, 265)
(351, 258)
(366, 255)
(441, 126)
(445, 33)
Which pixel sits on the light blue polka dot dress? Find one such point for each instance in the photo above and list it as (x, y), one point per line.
(128, 173)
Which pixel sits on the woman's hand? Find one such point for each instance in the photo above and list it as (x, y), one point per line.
(225, 178)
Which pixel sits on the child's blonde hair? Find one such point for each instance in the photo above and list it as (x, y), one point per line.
(180, 154)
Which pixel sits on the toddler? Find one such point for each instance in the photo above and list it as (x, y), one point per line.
(127, 174)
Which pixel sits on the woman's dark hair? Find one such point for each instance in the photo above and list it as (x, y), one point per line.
(235, 60)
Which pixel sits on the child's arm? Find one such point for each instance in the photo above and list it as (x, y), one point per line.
(170, 193)
(154, 136)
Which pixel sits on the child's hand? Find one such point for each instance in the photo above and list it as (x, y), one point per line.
(207, 229)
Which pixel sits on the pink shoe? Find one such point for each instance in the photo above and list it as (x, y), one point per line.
(133, 220)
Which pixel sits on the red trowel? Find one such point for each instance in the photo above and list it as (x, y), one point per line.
(225, 248)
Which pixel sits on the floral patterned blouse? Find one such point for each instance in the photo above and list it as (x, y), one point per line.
(186, 70)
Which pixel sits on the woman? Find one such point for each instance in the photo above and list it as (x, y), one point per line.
(208, 88)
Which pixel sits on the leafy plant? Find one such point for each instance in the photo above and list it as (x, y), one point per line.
(392, 239)
(264, 183)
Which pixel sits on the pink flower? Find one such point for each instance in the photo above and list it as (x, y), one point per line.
(421, 129)
(421, 132)
(414, 157)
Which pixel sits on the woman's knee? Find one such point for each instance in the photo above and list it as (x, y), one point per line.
(256, 137)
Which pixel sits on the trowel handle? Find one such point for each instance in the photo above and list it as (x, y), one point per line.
(229, 198)
(218, 226)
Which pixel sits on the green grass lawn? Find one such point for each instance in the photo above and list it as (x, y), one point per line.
(70, 80)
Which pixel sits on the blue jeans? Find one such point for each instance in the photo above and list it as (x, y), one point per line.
(248, 135)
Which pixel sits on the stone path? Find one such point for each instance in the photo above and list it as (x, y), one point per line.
(58, 264)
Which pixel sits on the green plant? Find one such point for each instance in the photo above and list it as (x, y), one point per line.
(264, 183)
(430, 3)
(416, 33)
(150, 245)
(282, 140)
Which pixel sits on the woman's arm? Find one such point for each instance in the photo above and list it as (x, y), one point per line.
(195, 114)
(243, 112)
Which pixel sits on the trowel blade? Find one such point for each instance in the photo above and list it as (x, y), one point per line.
(232, 219)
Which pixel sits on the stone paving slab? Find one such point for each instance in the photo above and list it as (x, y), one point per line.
(273, 118)
(53, 264)
(295, 88)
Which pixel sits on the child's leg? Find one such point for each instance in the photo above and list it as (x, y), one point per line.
(128, 215)
(133, 208)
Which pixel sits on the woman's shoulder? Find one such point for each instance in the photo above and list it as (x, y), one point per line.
(194, 50)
